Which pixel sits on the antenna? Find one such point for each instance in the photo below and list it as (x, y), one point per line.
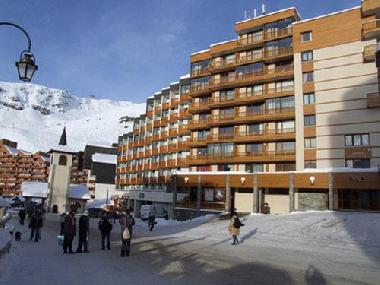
(263, 8)
(254, 13)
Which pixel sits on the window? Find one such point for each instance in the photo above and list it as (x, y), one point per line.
(254, 167)
(285, 146)
(358, 163)
(310, 143)
(308, 77)
(306, 36)
(227, 95)
(309, 120)
(285, 167)
(62, 160)
(307, 55)
(225, 167)
(254, 148)
(310, 164)
(309, 98)
(357, 140)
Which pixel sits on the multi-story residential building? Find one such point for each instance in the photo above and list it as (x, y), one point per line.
(17, 166)
(296, 102)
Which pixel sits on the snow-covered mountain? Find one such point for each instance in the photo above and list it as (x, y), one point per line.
(34, 116)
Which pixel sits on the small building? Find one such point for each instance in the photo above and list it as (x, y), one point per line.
(38, 192)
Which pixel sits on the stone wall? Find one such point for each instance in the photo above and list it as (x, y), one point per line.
(308, 200)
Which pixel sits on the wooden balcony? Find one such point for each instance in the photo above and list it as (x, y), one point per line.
(199, 72)
(370, 7)
(199, 107)
(174, 117)
(136, 131)
(184, 114)
(184, 145)
(156, 123)
(220, 65)
(196, 142)
(183, 129)
(173, 132)
(149, 113)
(236, 80)
(134, 168)
(174, 102)
(164, 135)
(157, 110)
(156, 137)
(184, 98)
(373, 100)
(162, 179)
(220, 138)
(199, 90)
(182, 162)
(148, 153)
(172, 147)
(140, 167)
(198, 124)
(141, 154)
(166, 105)
(265, 136)
(155, 151)
(265, 115)
(172, 163)
(197, 159)
(369, 53)
(153, 166)
(149, 127)
(148, 140)
(371, 29)
(164, 121)
(142, 129)
(163, 149)
(245, 43)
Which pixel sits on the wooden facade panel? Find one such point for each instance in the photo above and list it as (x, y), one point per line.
(246, 25)
(222, 48)
(278, 180)
(361, 181)
(200, 56)
(329, 31)
(311, 180)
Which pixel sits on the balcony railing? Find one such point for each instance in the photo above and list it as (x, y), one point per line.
(370, 7)
(265, 36)
(369, 53)
(184, 98)
(199, 106)
(371, 29)
(267, 135)
(236, 80)
(198, 124)
(243, 157)
(373, 100)
(197, 90)
(183, 129)
(199, 72)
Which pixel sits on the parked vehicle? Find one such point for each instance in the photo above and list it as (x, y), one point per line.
(96, 212)
(145, 210)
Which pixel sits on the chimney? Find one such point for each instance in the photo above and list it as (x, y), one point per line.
(254, 13)
(245, 15)
(263, 9)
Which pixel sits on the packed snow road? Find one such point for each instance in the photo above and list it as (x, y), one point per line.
(309, 248)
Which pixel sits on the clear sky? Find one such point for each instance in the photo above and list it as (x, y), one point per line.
(125, 49)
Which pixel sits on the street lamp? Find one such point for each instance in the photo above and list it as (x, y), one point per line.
(26, 65)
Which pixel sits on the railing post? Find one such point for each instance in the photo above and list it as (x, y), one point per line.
(199, 194)
(255, 194)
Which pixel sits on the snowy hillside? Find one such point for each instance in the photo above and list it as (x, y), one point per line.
(34, 116)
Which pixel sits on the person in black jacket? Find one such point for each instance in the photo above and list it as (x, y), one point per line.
(22, 215)
(69, 232)
(83, 234)
(35, 225)
(105, 228)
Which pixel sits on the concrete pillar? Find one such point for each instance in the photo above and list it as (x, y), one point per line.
(261, 199)
(228, 206)
(291, 192)
(199, 194)
(255, 207)
(175, 186)
(331, 191)
(136, 209)
(128, 203)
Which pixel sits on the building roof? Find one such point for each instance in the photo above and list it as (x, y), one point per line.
(40, 190)
(90, 150)
(104, 158)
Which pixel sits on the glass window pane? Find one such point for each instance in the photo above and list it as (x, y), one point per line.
(365, 139)
(357, 140)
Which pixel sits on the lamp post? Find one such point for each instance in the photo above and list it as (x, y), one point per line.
(26, 65)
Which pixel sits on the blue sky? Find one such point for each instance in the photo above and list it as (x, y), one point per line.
(125, 49)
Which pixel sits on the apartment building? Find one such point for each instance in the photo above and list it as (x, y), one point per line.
(17, 166)
(294, 102)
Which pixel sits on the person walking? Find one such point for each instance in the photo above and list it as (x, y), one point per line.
(62, 223)
(69, 232)
(151, 221)
(126, 223)
(32, 224)
(83, 234)
(234, 229)
(39, 225)
(105, 228)
(22, 215)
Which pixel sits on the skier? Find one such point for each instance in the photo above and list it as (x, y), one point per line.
(83, 234)
(234, 229)
(151, 221)
(105, 228)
